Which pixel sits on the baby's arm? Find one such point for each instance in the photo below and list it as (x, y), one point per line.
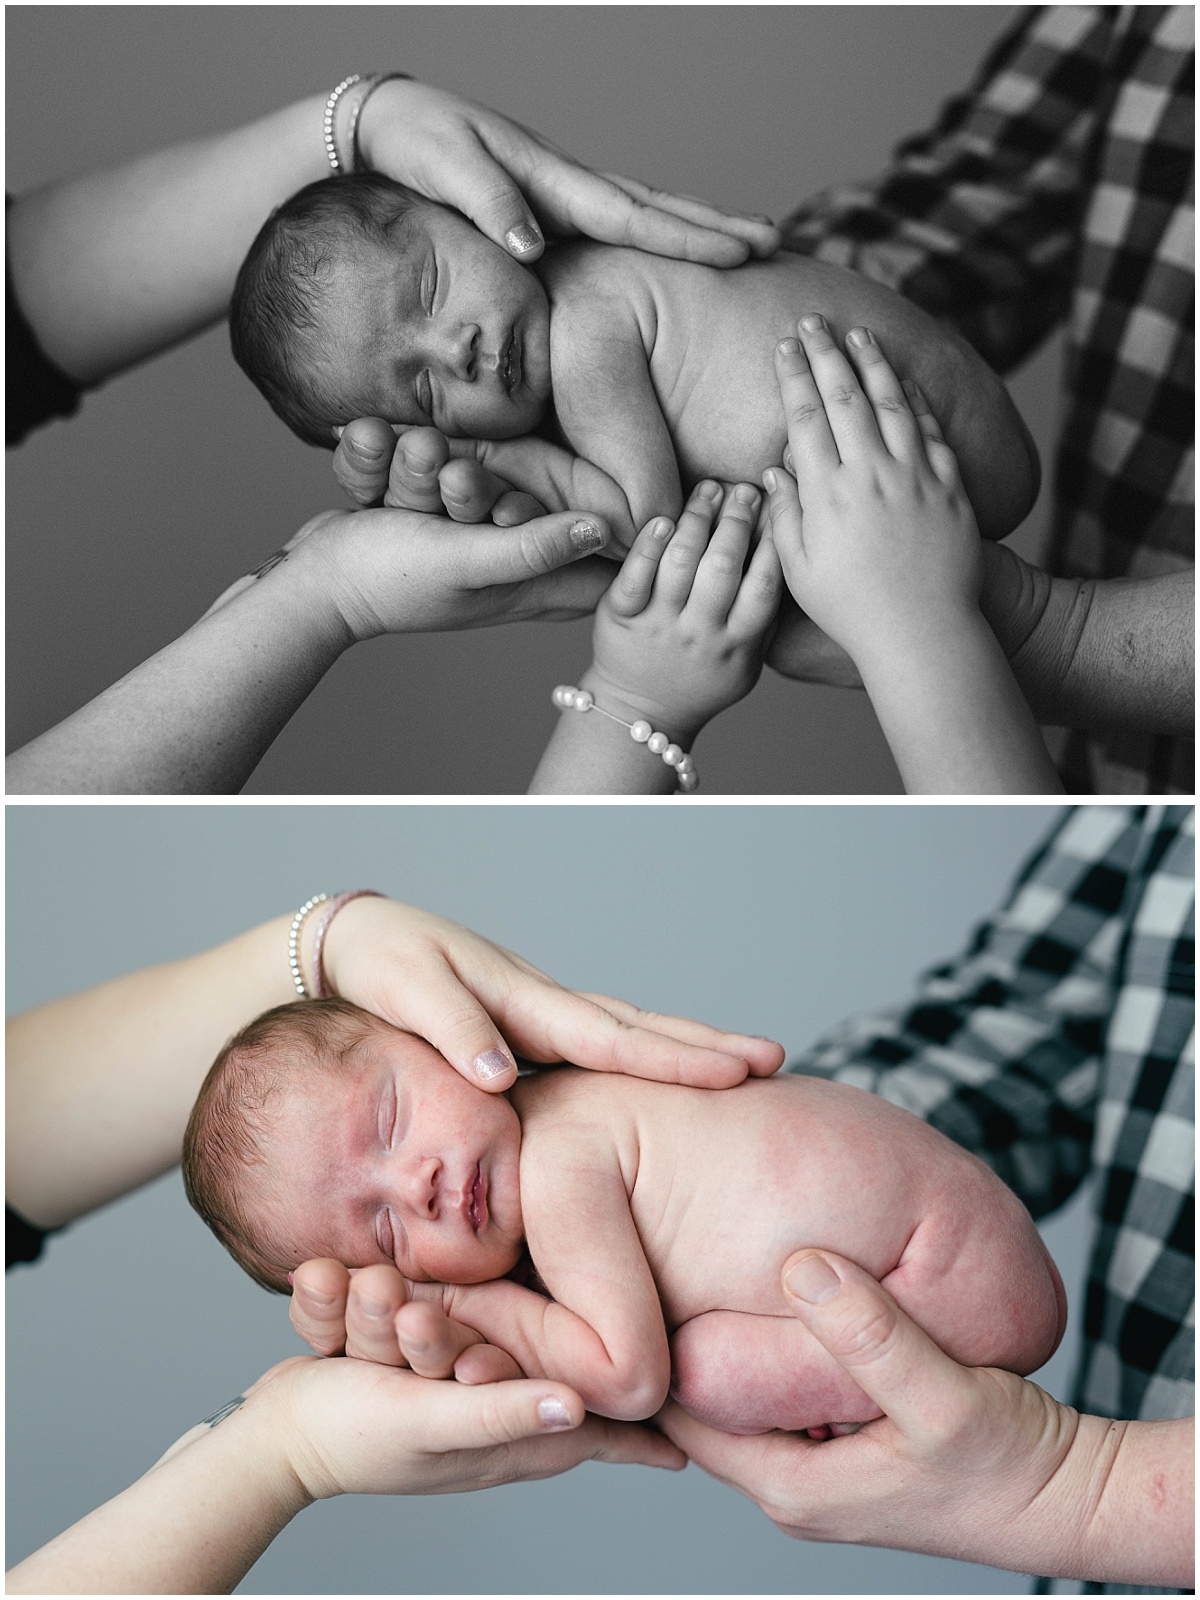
(679, 636)
(603, 1333)
(607, 407)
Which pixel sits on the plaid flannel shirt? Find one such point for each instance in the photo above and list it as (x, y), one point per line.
(1061, 1044)
(1059, 189)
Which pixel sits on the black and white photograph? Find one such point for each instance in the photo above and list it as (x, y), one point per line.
(878, 452)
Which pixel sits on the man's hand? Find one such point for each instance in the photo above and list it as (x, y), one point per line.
(517, 187)
(968, 1462)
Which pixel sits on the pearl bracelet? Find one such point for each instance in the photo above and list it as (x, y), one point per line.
(331, 149)
(567, 698)
(294, 944)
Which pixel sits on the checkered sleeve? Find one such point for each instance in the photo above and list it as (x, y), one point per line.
(1001, 1049)
(977, 220)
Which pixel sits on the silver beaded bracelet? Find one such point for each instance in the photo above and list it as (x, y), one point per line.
(327, 125)
(567, 698)
(294, 944)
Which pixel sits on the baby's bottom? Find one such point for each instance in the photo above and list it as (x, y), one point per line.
(748, 1374)
(997, 1302)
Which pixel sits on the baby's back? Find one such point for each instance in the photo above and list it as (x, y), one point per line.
(710, 337)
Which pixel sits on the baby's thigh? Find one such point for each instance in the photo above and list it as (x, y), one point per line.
(749, 1374)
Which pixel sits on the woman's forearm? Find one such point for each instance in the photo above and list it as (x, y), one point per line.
(110, 267)
(197, 717)
(195, 1524)
(100, 1084)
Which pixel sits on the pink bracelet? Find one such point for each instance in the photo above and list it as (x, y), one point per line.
(321, 987)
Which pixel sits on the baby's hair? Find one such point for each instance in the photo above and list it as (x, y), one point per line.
(229, 1124)
(283, 286)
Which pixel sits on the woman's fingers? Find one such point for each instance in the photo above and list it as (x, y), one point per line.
(362, 463)
(375, 1296)
(892, 1360)
(484, 555)
(318, 1306)
(634, 584)
(760, 233)
(761, 1057)
(893, 416)
(719, 575)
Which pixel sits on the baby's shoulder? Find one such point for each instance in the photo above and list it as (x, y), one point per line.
(595, 288)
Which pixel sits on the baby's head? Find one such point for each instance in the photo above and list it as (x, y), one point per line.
(322, 1131)
(359, 298)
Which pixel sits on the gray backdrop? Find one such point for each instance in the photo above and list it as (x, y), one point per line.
(126, 523)
(775, 920)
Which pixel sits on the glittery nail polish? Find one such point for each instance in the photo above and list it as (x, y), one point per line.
(522, 239)
(491, 1064)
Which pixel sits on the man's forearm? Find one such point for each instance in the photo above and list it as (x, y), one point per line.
(197, 717)
(1142, 1529)
(110, 267)
(1116, 653)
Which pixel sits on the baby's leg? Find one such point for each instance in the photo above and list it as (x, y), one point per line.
(748, 1374)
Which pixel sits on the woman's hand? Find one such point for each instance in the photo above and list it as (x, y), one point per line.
(516, 186)
(970, 1463)
(477, 1003)
(682, 632)
(368, 1313)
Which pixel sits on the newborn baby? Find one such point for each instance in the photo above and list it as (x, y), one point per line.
(359, 298)
(657, 1217)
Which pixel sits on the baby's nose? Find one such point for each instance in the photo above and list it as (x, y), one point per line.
(464, 351)
(420, 1185)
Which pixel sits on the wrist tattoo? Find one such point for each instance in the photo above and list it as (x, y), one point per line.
(225, 1411)
(271, 561)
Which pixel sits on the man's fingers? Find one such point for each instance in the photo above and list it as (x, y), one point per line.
(892, 1360)
(363, 460)
(753, 1464)
(469, 490)
(318, 1305)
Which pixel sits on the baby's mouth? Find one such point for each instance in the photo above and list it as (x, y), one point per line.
(510, 369)
(477, 1201)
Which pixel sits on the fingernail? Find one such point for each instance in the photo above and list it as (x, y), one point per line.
(491, 1064)
(662, 528)
(788, 347)
(415, 470)
(553, 1415)
(522, 239)
(368, 452)
(859, 337)
(587, 535)
(813, 1280)
(314, 1297)
(291, 1277)
(812, 323)
(373, 1308)
(707, 490)
(745, 494)
(770, 480)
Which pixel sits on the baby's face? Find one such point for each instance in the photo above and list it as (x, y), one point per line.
(395, 1158)
(439, 325)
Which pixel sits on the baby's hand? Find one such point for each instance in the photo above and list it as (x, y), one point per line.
(878, 541)
(683, 630)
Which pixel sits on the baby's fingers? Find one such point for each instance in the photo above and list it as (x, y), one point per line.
(940, 456)
(757, 600)
(719, 575)
(634, 584)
